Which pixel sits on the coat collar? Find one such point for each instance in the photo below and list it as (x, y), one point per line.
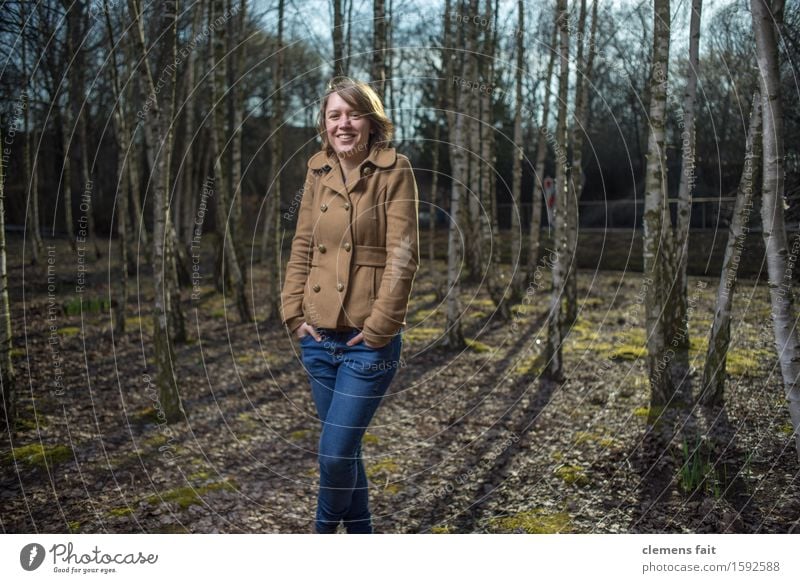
(379, 157)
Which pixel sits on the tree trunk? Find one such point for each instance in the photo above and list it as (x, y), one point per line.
(541, 156)
(7, 376)
(235, 49)
(555, 318)
(772, 206)
(123, 184)
(379, 48)
(217, 65)
(134, 164)
(576, 146)
(30, 171)
(679, 332)
(490, 245)
(339, 64)
(454, 336)
(655, 201)
(579, 130)
(271, 242)
(158, 118)
(517, 284)
(714, 372)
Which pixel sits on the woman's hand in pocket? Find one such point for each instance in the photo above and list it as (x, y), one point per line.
(305, 329)
(360, 338)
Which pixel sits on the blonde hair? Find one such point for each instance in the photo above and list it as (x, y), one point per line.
(361, 97)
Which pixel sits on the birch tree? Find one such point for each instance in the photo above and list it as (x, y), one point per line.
(30, 167)
(679, 302)
(765, 22)
(517, 284)
(123, 135)
(541, 156)
(159, 130)
(655, 212)
(7, 376)
(580, 129)
(217, 65)
(713, 386)
(555, 318)
(272, 236)
(456, 121)
(379, 47)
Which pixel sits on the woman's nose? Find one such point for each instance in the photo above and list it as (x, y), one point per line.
(345, 120)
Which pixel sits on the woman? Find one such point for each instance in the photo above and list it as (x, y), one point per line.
(354, 256)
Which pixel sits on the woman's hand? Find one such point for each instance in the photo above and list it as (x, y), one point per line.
(360, 338)
(305, 329)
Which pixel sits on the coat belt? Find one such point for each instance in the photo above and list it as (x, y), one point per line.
(369, 255)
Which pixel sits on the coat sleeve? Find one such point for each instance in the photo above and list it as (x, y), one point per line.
(402, 257)
(299, 261)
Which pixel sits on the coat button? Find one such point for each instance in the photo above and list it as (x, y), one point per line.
(347, 246)
(321, 248)
(316, 287)
(323, 207)
(347, 206)
(367, 170)
(340, 286)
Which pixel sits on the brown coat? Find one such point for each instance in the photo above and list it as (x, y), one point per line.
(354, 254)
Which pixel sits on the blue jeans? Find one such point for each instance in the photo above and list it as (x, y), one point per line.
(348, 384)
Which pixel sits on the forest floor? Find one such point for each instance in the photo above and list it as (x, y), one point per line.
(473, 441)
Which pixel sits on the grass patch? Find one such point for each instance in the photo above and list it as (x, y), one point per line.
(627, 352)
(39, 456)
(477, 346)
(187, 495)
(536, 521)
(371, 439)
(572, 475)
(441, 530)
(421, 334)
(121, 512)
(300, 434)
(69, 331)
(533, 366)
(97, 305)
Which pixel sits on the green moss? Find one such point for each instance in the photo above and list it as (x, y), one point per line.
(74, 526)
(477, 346)
(383, 467)
(536, 521)
(787, 429)
(187, 495)
(572, 475)
(441, 530)
(145, 325)
(69, 331)
(38, 455)
(371, 439)
(531, 366)
(300, 434)
(120, 512)
(419, 334)
(75, 306)
(155, 440)
(245, 358)
(18, 352)
(218, 313)
(627, 352)
(741, 363)
(201, 475)
(421, 315)
(587, 437)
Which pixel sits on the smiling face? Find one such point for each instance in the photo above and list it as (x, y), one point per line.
(348, 130)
